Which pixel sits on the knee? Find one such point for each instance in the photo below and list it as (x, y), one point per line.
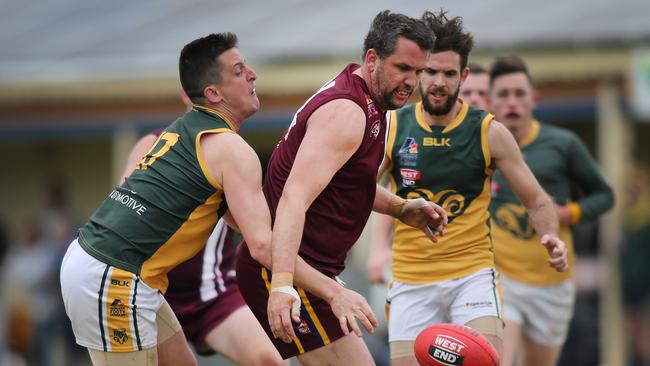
(269, 357)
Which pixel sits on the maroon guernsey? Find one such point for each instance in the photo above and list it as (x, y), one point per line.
(334, 221)
(336, 218)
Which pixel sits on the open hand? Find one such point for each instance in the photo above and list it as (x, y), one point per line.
(557, 252)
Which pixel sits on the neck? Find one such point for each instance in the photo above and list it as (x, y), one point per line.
(227, 113)
(522, 132)
(444, 120)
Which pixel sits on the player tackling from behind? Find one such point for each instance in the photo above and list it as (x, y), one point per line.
(203, 291)
(445, 151)
(113, 276)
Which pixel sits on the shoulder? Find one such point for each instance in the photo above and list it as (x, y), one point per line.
(557, 132)
(338, 112)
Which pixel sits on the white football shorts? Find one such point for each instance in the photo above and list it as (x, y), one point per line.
(111, 309)
(543, 312)
(412, 308)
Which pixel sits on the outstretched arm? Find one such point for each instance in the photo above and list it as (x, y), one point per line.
(508, 159)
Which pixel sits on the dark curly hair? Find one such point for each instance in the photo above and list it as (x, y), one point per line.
(450, 35)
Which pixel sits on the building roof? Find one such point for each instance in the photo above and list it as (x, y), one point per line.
(90, 40)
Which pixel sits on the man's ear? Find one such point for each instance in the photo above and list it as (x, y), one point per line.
(464, 74)
(536, 97)
(212, 94)
(371, 58)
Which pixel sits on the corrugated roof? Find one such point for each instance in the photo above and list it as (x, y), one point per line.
(75, 40)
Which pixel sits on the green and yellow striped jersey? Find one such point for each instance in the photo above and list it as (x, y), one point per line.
(450, 166)
(565, 169)
(166, 209)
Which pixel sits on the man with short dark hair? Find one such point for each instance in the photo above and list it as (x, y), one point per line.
(113, 276)
(320, 186)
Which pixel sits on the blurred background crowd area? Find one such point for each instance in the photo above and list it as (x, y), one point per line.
(80, 81)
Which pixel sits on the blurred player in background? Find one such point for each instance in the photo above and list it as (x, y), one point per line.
(538, 301)
(443, 150)
(321, 188)
(113, 276)
(474, 90)
(203, 291)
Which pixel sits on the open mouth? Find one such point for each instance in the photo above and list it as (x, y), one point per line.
(512, 115)
(403, 93)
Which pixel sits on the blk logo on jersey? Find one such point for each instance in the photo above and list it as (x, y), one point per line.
(408, 153)
(437, 141)
(409, 176)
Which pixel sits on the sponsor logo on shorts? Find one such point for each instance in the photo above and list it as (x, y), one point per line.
(303, 328)
(122, 283)
(120, 336)
(118, 308)
(446, 350)
(479, 304)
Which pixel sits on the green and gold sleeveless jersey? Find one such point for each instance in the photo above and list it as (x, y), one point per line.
(165, 211)
(565, 170)
(449, 166)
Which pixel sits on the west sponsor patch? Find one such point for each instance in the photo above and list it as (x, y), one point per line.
(409, 177)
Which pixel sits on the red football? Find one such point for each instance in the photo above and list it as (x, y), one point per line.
(454, 344)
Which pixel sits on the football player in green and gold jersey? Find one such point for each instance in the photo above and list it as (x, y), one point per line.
(446, 151)
(538, 302)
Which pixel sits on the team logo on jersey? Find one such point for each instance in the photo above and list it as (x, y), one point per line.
(514, 219)
(120, 336)
(408, 153)
(453, 202)
(303, 328)
(374, 130)
(118, 308)
(409, 176)
(372, 110)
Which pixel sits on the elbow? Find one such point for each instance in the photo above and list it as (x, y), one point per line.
(260, 250)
